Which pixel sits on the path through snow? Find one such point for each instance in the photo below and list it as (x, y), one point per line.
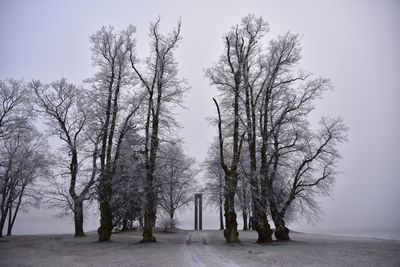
(200, 252)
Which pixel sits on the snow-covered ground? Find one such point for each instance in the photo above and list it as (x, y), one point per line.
(200, 248)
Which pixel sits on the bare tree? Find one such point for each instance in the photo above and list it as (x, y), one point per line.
(308, 164)
(15, 116)
(16, 106)
(24, 160)
(177, 174)
(265, 91)
(163, 89)
(278, 97)
(230, 233)
(63, 105)
(287, 96)
(231, 77)
(250, 34)
(116, 103)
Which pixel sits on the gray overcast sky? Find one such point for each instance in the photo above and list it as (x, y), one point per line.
(354, 43)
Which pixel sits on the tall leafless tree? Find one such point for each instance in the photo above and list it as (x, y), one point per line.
(63, 105)
(251, 33)
(231, 76)
(287, 96)
(116, 103)
(159, 78)
(303, 166)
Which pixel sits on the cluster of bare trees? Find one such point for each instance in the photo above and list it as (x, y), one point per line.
(23, 157)
(118, 149)
(272, 159)
(114, 135)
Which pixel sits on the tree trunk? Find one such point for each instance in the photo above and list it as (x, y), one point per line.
(151, 155)
(230, 233)
(244, 214)
(2, 222)
(141, 222)
(12, 221)
(4, 211)
(148, 228)
(78, 218)
(9, 230)
(124, 224)
(173, 226)
(9, 221)
(281, 231)
(149, 210)
(106, 226)
(250, 222)
(154, 215)
(221, 218)
(260, 220)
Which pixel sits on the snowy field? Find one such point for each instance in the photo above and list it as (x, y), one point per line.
(190, 248)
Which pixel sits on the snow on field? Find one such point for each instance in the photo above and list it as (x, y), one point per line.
(200, 248)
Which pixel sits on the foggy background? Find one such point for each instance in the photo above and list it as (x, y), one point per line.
(354, 43)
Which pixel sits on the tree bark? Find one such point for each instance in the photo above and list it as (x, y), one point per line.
(221, 217)
(148, 228)
(2, 222)
(9, 228)
(9, 208)
(244, 214)
(151, 154)
(250, 223)
(260, 220)
(141, 222)
(4, 211)
(149, 210)
(125, 224)
(11, 224)
(78, 218)
(281, 231)
(261, 225)
(106, 226)
(230, 233)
